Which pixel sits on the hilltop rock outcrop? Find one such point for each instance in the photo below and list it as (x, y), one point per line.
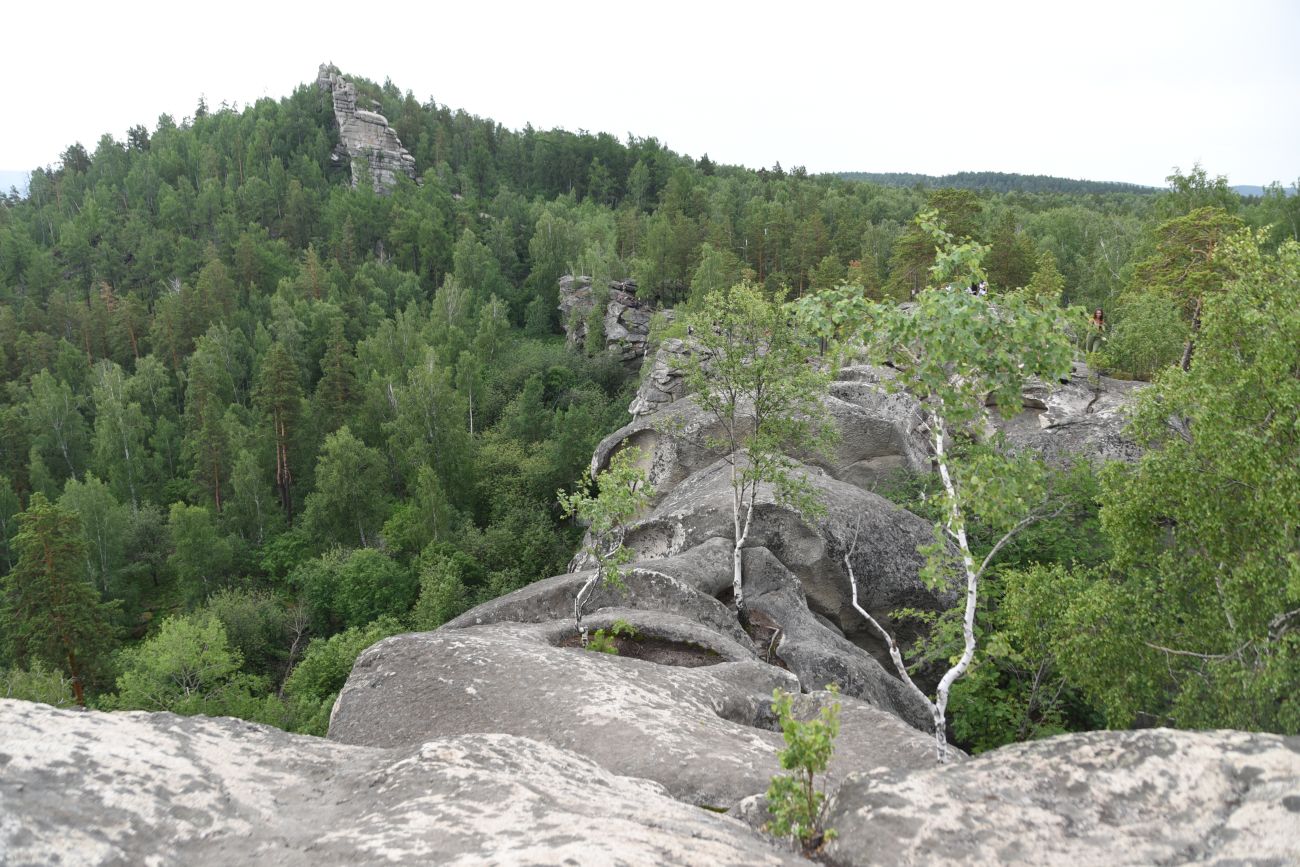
(364, 135)
(881, 432)
(703, 730)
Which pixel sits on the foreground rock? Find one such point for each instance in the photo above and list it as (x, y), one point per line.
(1104, 798)
(705, 733)
(138, 788)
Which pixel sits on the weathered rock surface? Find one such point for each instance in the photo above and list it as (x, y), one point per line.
(139, 788)
(665, 379)
(364, 135)
(706, 734)
(882, 432)
(883, 538)
(685, 588)
(1150, 797)
(879, 435)
(1083, 418)
(626, 320)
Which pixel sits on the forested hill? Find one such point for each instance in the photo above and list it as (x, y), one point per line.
(995, 182)
(255, 416)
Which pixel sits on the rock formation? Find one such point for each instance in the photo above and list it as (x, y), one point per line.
(364, 135)
(496, 739)
(626, 320)
(137, 788)
(1080, 418)
(1139, 797)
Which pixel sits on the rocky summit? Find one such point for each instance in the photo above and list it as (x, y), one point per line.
(364, 135)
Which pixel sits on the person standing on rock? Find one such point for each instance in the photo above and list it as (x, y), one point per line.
(1096, 334)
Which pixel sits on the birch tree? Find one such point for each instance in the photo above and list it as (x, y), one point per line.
(957, 353)
(751, 373)
(622, 491)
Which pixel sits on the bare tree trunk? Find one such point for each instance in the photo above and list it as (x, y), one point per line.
(957, 529)
(1191, 339)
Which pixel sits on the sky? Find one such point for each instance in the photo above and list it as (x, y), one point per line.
(1113, 91)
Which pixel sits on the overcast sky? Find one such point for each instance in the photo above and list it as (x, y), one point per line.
(1103, 90)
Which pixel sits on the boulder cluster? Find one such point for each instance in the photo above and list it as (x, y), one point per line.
(498, 739)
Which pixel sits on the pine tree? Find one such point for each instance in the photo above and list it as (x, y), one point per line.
(47, 610)
(279, 395)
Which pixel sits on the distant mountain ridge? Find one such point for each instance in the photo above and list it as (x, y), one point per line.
(998, 182)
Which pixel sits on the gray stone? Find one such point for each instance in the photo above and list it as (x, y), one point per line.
(626, 320)
(138, 788)
(364, 135)
(704, 733)
(1106, 798)
(683, 585)
(1081, 419)
(885, 558)
(819, 656)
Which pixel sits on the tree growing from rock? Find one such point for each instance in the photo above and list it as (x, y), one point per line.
(957, 353)
(797, 805)
(751, 373)
(622, 491)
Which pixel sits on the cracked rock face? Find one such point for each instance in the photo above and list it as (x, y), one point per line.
(1150, 797)
(365, 135)
(626, 320)
(141, 788)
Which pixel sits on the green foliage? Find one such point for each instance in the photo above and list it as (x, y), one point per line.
(48, 612)
(752, 373)
(350, 588)
(603, 641)
(446, 578)
(797, 805)
(187, 667)
(622, 492)
(1147, 335)
(1197, 624)
(348, 504)
(317, 679)
(39, 682)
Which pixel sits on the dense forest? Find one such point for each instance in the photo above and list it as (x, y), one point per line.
(255, 418)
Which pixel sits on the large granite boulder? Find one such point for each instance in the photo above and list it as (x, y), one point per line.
(816, 651)
(663, 378)
(364, 135)
(706, 733)
(686, 588)
(138, 788)
(1100, 798)
(879, 435)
